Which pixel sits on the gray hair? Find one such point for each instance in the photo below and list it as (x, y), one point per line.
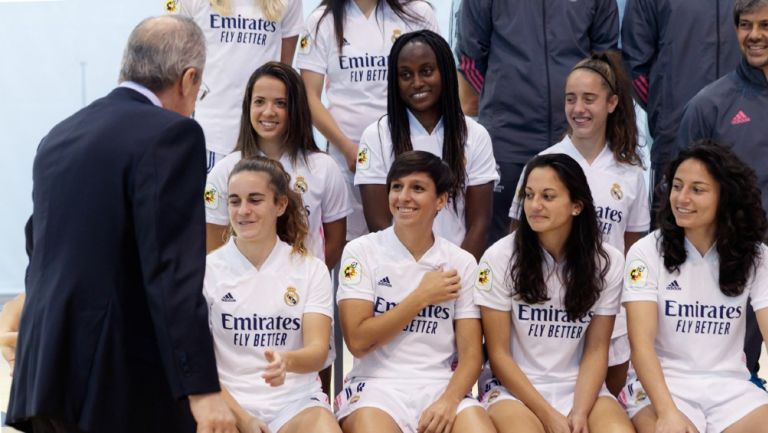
(160, 49)
(745, 7)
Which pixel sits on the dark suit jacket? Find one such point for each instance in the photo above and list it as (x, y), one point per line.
(114, 332)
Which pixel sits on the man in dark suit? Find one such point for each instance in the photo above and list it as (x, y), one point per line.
(114, 333)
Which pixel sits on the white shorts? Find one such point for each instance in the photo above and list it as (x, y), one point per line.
(618, 350)
(403, 401)
(278, 419)
(712, 404)
(211, 158)
(558, 395)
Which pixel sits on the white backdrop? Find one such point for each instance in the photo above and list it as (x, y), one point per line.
(57, 57)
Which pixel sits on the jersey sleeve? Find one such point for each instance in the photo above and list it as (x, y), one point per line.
(465, 304)
(639, 212)
(475, 27)
(320, 289)
(515, 209)
(315, 43)
(373, 157)
(638, 45)
(490, 289)
(293, 19)
(758, 290)
(481, 165)
(609, 302)
(215, 196)
(640, 276)
(336, 202)
(355, 276)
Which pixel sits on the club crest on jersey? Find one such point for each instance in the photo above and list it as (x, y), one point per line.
(351, 271)
(493, 395)
(637, 274)
(305, 44)
(290, 297)
(363, 159)
(354, 399)
(484, 275)
(396, 34)
(211, 196)
(301, 185)
(616, 191)
(172, 6)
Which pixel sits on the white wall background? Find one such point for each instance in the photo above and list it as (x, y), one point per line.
(58, 56)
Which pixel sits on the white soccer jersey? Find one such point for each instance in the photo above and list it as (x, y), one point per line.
(254, 310)
(321, 185)
(375, 157)
(700, 330)
(544, 343)
(237, 45)
(357, 76)
(378, 268)
(618, 191)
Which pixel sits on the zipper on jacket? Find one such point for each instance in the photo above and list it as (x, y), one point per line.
(546, 69)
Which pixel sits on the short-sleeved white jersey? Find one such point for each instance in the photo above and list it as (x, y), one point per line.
(237, 45)
(357, 76)
(375, 157)
(320, 183)
(378, 268)
(700, 330)
(544, 343)
(252, 310)
(618, 191)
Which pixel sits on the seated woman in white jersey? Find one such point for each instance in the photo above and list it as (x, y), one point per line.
(686, 291)
(270, 306)
(240, 35)
(405, 301)
(602, 138)
(347, 42)
(424, 113)
(548, 294)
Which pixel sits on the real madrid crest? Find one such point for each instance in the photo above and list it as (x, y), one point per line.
(171, 6)
(616, 191)
(290, 297)
(396, 34)
(301, 185)
(493, 395)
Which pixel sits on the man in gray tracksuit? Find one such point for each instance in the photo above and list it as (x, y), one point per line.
(516, 55)
(673, 48)
(734, 110)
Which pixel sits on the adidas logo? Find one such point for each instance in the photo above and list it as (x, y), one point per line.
(228, 298)
(674, 286)
(740, 118)
(384, 282)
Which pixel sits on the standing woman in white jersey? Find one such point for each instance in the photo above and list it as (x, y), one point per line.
(270, 307)
(405, 301)
(548, 294)
(275, 122)
(686, 291)
(424, 113)
(241, 35)
(344, 51)
(602, 138)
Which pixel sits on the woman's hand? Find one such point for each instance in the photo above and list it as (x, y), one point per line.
(578, 422)
(276, 369)
(255, 425)
(439, 286)
(438, 417)
(555, 422)
(675, 422)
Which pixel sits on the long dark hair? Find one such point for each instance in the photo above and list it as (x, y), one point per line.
(454, 124)
(338, 10)
(741, 221)
(621, 130)
(292, 225)
(298, 137)
(586, 262)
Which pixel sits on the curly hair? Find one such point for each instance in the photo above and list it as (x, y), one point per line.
(740, 219)
(292, 225)
(621, 128)
(586, 262)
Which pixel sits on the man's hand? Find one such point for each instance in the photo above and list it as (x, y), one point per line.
(8, 347)
(212, 414)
